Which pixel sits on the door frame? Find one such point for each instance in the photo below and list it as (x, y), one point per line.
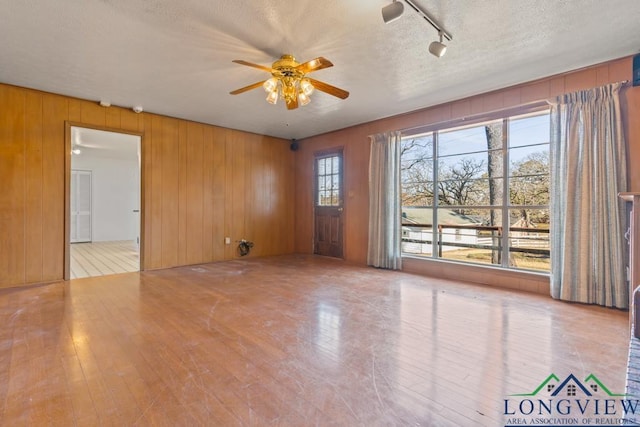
(327, 152)
(67, 189)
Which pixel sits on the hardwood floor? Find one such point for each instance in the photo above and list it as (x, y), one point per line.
(291, 341)
(102, 258)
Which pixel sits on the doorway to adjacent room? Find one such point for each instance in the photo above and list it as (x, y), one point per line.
(104, 203)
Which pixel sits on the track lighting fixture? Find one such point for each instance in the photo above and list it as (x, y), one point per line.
(393, 11)
(438, 48)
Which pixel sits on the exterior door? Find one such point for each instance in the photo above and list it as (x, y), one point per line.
(328, 235)
(80, 206)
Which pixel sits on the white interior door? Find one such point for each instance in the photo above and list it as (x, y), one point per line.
(80, 206)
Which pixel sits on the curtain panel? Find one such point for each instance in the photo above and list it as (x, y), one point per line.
(385, 230)
(588, 170)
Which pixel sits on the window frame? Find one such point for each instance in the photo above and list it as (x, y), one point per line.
(505, 208)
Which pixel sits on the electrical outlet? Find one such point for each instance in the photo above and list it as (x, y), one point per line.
(227, 240)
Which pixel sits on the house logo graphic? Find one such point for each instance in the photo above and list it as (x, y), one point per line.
(569, 401)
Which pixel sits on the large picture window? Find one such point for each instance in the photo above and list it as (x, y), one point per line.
(479, 193)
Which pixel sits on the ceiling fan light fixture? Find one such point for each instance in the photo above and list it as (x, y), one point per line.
(392, 11)
(272, 98)
(438, 48)
(306, 87)
(288, 81)
(303, 98)
(270, 85)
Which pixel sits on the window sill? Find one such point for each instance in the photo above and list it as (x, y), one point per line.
(528, 281)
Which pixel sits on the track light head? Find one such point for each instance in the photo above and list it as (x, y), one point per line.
(438, 48)
(392, 11)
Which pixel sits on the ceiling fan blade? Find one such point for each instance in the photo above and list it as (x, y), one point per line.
(246, 88)
(293, 104)
(251, 64)
(327, 88)
(313, 65)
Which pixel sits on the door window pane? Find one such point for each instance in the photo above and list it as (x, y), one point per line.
(328, 192)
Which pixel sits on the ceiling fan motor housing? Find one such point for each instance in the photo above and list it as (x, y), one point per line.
(285, 70)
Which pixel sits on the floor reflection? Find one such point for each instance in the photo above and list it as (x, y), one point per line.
(328, 327)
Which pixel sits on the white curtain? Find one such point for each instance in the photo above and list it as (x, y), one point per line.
(385, 231)
(588, 169)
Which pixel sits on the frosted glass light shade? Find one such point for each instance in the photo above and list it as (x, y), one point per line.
(270, 85)
(272, 98)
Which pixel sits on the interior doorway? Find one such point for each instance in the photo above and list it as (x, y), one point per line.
(329, 207)
(104, 203)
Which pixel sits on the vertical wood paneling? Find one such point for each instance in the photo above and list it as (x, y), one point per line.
(12, 179)
(33, 183)
(279, 186)
(287, 181)
(112, 118)
(620, 70)
(271, 193)
(55, 110)
(263, 194)
(145, 195)
(230, 146)
(602, 75)
(511, 98)
(92, 113)
(131, 121)
(477, 105)
(251, 199)
(303, 236)
(154, 204)
(75, 110)
(581, 80)
(534, 92)
(494, 101)
(239, 171)
(219, 196)
(207, 190)
(170, 191)
(182, 194)
(556, 87)
(461, 108)
(194, 193)
(355, 196)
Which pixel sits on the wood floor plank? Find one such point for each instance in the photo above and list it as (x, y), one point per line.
(292, 340)
(103, 258)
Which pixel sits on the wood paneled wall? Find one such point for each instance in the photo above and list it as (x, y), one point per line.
(201, 184)
(355, 141)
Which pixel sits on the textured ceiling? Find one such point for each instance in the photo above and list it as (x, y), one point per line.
(174, 57)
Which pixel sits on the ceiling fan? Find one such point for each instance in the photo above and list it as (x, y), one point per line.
(289, 81)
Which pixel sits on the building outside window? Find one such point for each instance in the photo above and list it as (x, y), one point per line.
(479, 193)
